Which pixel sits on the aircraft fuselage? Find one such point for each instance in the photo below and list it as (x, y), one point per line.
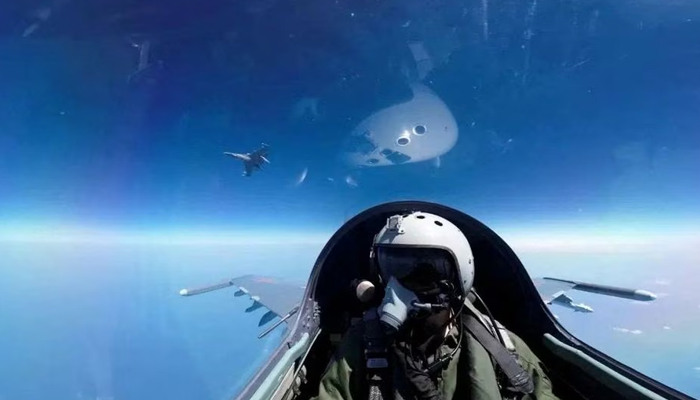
(250, 161)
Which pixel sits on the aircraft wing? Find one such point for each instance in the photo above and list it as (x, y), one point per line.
(551, 288)
(277, 296)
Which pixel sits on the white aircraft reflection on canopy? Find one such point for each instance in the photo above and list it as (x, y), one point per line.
(252, 160)
(319, 313)
(420, 129)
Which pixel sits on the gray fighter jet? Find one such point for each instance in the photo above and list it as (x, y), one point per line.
(252, 160)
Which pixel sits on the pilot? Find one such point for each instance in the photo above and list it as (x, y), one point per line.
(426, 340)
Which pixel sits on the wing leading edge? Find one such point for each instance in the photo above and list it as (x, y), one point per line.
(279, 297)
(553, 290)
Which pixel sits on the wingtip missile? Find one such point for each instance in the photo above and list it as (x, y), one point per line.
(644, 295)
(205, 289)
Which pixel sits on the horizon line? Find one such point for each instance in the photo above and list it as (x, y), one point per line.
(545, 238)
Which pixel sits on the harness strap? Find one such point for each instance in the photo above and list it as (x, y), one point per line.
(376, 357)
(519, 380)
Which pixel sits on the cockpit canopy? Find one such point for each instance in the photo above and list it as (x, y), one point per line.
(500, 278)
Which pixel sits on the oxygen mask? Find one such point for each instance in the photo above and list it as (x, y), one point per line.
(416, 285)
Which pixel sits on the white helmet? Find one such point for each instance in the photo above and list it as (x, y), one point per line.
(424, 230)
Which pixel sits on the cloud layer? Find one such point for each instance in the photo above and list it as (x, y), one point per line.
(630, 331)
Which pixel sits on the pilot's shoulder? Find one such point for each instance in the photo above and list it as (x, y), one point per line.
(514, 342)
(520, 345)
(535, 368)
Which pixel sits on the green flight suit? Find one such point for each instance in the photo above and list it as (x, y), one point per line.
(470, 375)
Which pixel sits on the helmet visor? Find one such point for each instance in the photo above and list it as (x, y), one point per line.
(415, 266)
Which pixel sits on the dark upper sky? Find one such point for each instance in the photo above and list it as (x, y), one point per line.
(575, 109)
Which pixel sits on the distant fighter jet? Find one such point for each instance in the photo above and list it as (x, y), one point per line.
(252, 160)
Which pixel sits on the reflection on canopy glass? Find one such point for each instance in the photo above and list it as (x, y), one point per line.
(146, 147)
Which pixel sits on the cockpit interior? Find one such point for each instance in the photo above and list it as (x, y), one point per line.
(577, 371)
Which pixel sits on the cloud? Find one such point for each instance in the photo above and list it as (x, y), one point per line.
(667, 328)
(640, 303)
(92, 235)
(662, 282)
(617, 237)
(625, 330)
(566, 242)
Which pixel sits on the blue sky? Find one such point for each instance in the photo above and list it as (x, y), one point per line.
(614, 135)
